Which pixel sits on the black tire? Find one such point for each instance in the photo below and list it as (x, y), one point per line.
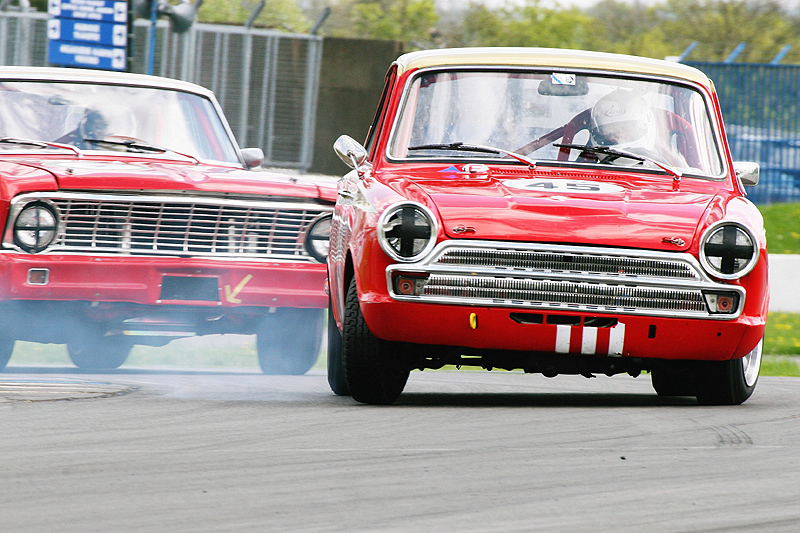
(96, 352)
(337, 378)
(729, 382)
(289, 340)
(674, 379)
(375, 369)
(6, 349)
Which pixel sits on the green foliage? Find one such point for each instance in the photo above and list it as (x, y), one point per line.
(782, 222)
(282, 15)
(398, 20)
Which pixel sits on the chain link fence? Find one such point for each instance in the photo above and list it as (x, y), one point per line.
(267, 82)
(761, 107)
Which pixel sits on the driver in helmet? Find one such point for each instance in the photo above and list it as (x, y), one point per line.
(623, 120)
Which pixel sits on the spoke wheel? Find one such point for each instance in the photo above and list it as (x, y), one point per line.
(95, 352)
(289, 340)
(375, 369)
(337, 378)
(729, 382)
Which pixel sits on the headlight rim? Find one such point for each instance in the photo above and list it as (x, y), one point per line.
(309, 239)
(383, 240)
(15, 229)
(711, 269)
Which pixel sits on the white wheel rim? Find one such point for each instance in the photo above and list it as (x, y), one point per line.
(751, 365)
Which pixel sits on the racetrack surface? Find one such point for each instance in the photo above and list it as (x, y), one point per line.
(160, 450)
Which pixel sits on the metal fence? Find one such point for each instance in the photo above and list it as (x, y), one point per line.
(266, 81)
(761, 107)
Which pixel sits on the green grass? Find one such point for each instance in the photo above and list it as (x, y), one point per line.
(782, 222)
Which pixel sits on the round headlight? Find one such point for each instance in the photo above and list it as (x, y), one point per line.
(407, 231)
(728, 250)
(318, 239)
(35, 227)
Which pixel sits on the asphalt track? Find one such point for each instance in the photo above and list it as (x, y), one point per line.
(138, 450)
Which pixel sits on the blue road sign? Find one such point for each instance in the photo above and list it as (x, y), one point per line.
(88, 33)
(95, 10)
(81, 55)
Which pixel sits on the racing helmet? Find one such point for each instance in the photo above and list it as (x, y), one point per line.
(620, 118)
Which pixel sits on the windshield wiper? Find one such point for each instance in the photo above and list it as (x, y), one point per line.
(137, 145)
(38, 144)
(460, 146)
(616, 153)
(133, 145)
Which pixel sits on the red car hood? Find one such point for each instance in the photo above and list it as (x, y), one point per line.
(639, 213)
(138, 175)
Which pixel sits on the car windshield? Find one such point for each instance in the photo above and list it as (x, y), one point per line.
(555, 116)
(80, 114)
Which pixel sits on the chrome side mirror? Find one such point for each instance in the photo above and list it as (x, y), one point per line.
(747, 172)
(350, 151)
(252, 157)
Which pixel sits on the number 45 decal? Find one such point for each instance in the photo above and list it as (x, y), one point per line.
(564, 186)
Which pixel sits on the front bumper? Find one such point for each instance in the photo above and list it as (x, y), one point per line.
(477, 329)
(161, 281)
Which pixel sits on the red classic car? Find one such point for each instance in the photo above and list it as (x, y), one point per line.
(554, 211)
(131, 216)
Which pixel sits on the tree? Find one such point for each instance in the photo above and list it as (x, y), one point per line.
(278, 14)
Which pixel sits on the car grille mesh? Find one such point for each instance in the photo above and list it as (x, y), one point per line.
(184, 228)
(532, 276)
(539, 292)
(552, 261)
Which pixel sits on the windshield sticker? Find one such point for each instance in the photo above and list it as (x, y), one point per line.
(564, 186)
(560, 78)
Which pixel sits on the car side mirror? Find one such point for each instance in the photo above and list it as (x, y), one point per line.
(252, 157)
(350, 151)
(747, 172)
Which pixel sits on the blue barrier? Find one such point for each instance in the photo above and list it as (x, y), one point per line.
(761, 108)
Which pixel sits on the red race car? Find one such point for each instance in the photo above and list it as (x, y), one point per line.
(131, 216)
(554, 211)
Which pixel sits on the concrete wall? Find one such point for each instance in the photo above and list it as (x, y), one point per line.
(351, 81)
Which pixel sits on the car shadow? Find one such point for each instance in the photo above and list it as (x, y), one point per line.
(540, 399)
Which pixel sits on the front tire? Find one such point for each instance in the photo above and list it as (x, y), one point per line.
(6, 349)
(337, 378)
(729, 382)
(288, 341)
(95, 352)
(673, 379)
(375, 370)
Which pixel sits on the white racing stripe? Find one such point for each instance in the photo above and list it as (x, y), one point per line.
(563, 334)
(616, 341)
(589, 341)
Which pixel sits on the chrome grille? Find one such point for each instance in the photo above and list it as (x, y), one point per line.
(572, 278)
(192, 227)
(542, 292)
(561, 261)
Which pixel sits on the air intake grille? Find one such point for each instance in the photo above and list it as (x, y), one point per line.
(555, 277)
(554, 261)
(184, 227)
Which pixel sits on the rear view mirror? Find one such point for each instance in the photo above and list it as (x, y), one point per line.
(350, 151)
(747, 172)
(563, 84)
(252, 157)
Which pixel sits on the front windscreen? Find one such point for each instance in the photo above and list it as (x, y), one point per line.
(556, 116)
(80, 114)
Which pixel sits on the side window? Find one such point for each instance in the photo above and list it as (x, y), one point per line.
(380, 114)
